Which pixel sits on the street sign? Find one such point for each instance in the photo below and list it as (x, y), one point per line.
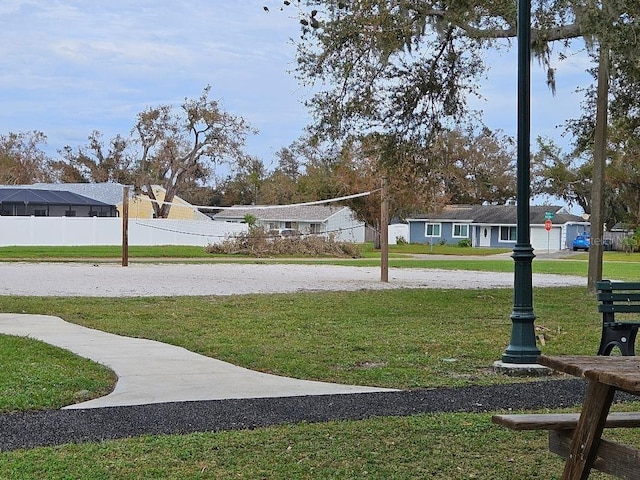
(547, 225)
(549, 215)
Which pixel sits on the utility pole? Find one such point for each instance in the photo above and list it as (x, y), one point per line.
(384, 231)
(125, 226)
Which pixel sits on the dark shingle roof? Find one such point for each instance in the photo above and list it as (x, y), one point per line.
(500, 214)
(46, 197)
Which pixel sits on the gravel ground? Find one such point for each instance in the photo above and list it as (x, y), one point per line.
(143, 279)
(31, 429)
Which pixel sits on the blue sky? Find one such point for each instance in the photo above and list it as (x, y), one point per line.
(72, 66)
(69, 67)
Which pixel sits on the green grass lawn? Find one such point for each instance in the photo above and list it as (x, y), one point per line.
(43, 253)
(368, 250)
(36, 375)
(616, 265)
(390, 338)
(422, 446)
(82, 253)
(438, 447)
(114, 252)
(395, 338)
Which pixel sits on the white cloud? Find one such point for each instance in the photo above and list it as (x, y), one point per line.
(68, 67)
(71, 66)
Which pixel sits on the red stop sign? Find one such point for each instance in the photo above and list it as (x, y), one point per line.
(547, 225)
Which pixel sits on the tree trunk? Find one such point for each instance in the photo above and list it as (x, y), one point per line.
(599, 162)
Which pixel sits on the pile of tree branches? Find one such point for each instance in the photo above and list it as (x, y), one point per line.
(258, 242)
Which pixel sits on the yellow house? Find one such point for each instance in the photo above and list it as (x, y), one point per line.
(140, 206)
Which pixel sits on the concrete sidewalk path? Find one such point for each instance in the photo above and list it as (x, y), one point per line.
(153, 372)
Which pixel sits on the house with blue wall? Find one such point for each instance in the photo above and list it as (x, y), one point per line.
(494, 226)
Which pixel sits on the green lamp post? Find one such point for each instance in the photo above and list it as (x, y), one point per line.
(522, 348)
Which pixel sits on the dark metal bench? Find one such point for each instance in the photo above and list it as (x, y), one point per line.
(618, 298)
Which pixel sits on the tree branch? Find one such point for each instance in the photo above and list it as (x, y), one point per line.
(564, 32)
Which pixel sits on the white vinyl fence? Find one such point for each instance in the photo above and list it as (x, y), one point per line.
(397, 231)
(72, 231)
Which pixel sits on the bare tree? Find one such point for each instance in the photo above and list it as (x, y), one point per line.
(176, 146)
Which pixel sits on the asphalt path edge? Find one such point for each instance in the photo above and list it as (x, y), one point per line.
(57, 427)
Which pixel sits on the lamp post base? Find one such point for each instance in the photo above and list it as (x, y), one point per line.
(521, 369)
(522, 348)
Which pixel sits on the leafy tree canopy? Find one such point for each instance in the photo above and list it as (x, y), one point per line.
(406, 67)
(22, 158)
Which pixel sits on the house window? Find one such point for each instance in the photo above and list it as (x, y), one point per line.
(460, 230)
(39, 213)
(70, 213)
(315, 228)
(432, 230)
(508, 234)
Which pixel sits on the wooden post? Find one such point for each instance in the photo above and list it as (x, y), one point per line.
(594, 274)
(125, 227)
(384, 232)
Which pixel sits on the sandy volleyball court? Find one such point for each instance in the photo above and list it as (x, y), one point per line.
(146, 279)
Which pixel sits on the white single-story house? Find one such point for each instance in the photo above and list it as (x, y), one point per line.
(341, 222)
(495, 226)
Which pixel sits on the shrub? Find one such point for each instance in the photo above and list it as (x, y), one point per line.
(465, 242)
(630, 243)
(250, 220)
(401, 241)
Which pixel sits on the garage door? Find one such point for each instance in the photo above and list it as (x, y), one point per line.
(540, 237)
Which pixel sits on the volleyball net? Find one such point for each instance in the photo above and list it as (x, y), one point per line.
(204, 224)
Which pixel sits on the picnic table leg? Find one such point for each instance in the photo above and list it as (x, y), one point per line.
(586, 438)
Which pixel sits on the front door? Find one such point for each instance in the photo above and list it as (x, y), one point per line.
(485, 237)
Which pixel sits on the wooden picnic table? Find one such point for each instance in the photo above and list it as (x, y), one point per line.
(605, 375)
